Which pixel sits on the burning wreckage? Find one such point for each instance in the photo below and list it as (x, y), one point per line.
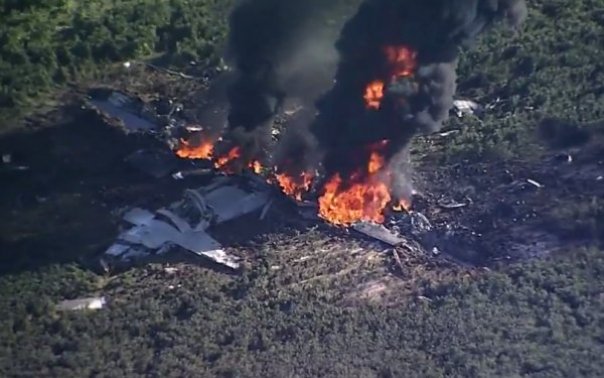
(184, 223)
(395, 77)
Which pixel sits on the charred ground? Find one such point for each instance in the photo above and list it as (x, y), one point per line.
(309, 297)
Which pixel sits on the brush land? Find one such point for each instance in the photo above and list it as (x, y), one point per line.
(308, 302)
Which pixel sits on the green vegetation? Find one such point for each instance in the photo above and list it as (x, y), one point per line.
(587, 215)
(45, 44)
(543, 319)
(290, 312)
(551, 68)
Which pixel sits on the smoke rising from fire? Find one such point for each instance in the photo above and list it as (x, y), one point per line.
(277, 50)
(389, 75)
(395, 78)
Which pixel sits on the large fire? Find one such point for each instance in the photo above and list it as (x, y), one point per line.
(365, 195)
(222, 162)
(402, 62)
(295, 186)
(205, 150)
(361, 201)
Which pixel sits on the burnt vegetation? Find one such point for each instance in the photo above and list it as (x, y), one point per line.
(306, 303)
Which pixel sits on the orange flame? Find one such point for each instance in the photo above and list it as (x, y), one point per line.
(363, 201)
(342, 203)
(402, 62)
(362, 197)
(222, 161)
(202, 151)
(294, 187)
(256, 167)
(366, 196)
(402, 205)
(402, 59)
(205, 150)
(374, 92)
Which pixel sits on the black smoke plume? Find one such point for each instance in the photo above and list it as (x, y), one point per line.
(435, 30)
(278, 50)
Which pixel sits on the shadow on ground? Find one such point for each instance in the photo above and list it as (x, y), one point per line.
(65, 177)
(67, 180)
(66, 174)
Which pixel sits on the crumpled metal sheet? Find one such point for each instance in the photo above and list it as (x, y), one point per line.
(378, 232)
(153, 233)
(466, 107)
(93, 303)
(120, 106)
(230, 202)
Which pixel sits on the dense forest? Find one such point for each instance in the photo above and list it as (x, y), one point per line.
(46, 44)
(541, 318)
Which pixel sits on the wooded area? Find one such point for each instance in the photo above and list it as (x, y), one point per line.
(543, 318)
(46, 44)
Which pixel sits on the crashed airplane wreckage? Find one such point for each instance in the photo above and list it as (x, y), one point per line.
(186, 223)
